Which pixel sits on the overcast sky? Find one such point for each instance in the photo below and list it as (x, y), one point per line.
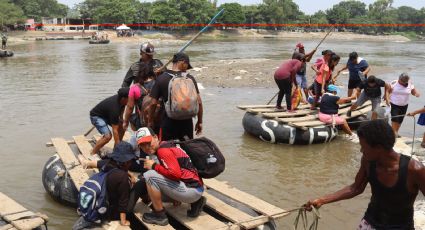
(307, 6)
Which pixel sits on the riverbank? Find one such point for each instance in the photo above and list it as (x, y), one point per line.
(256, 72)
(237, 33)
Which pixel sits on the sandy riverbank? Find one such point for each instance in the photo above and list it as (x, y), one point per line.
(254, 72)
(168, 36)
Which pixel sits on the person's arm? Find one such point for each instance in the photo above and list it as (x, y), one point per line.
(324, 74)
(344, 100)
(314, 68)
(128, 79)
(116, 134)
(415, 93)
(127, 113)
(308, 56)
(198, 126)
(171, 168)
(416, 112)
(387, 88)
(151, 111)
(367, 70)
(348, 192)
(420, 176)
(344, 68)
(124, 194)
(123, 219)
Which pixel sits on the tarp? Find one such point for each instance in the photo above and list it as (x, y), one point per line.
(123, 27)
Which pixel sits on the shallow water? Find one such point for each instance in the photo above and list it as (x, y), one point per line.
(48, 88)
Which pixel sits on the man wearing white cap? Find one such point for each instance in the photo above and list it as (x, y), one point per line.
(174, 178)
(147, 50)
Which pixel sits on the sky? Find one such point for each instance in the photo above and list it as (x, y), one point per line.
(307, 6)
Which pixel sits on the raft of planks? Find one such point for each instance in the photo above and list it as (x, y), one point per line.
(303, 117)
(233, 217)
(18, 217)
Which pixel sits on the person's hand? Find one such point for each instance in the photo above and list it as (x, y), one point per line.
(125, 223)
(387, 101)
(147, 164)
(411, 114)
(125, 125)
(132, 178)
(198, 128)
(417, 95)
(323, 91)
(317, 203)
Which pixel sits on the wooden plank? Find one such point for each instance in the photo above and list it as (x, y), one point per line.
(7, 227)
(83, 145)
(206, 221)
(141, 208)
(237, 216)
(296, 119)
(244, 107)
(245, 198)
(114, 225)
(287, 114)
(71, 163)
(11, 211)
(110, 145)
(50, 144)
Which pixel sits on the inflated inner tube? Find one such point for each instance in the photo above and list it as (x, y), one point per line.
(58, 183)
(274, 132)
(6, 53)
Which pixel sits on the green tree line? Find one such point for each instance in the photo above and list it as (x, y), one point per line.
(200, 11)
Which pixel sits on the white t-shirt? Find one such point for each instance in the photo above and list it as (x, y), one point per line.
(400, 94)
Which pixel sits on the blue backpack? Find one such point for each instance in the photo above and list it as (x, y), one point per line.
(93, 199)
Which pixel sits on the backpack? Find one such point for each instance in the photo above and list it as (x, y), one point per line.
(205, 156)
(182, 100)
(93, 199)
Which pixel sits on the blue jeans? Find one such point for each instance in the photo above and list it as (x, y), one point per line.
(100, 125)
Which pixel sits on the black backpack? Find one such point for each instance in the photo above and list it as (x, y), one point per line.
(205, 156)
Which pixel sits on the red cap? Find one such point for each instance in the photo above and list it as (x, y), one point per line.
(300, 45)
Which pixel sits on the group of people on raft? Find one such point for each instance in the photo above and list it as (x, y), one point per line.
(361, 86)
(166, 172)
(168, 175)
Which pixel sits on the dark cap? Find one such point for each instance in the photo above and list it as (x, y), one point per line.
(123, 92)
(147, 48)
(182, 57)
(123, 152)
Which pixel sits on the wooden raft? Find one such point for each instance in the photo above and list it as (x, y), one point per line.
(303, 117)
(234, 218)
(17, 216)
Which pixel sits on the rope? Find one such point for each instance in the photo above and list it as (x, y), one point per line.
(302, 214)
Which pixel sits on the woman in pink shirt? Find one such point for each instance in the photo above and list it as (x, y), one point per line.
(323, 77)
(400, 91)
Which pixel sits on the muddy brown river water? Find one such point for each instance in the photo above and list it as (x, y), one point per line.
(48, 88)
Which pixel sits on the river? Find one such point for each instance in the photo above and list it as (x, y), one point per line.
(48, 88)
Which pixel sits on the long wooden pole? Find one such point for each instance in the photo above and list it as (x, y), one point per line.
(196, 36)
(324, 38)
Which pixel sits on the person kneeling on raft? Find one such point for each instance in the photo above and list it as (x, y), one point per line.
(329, 107)
(174, 178)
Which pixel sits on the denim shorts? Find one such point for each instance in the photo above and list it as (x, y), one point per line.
(100, 125)
(301, 81)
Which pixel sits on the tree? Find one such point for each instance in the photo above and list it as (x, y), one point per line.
(10, 13)
(252, 14)
(233, 13)
(41, 8)
(382, 12)
(280, 11)
(345, 10)
(195, 11)
(172, 15)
